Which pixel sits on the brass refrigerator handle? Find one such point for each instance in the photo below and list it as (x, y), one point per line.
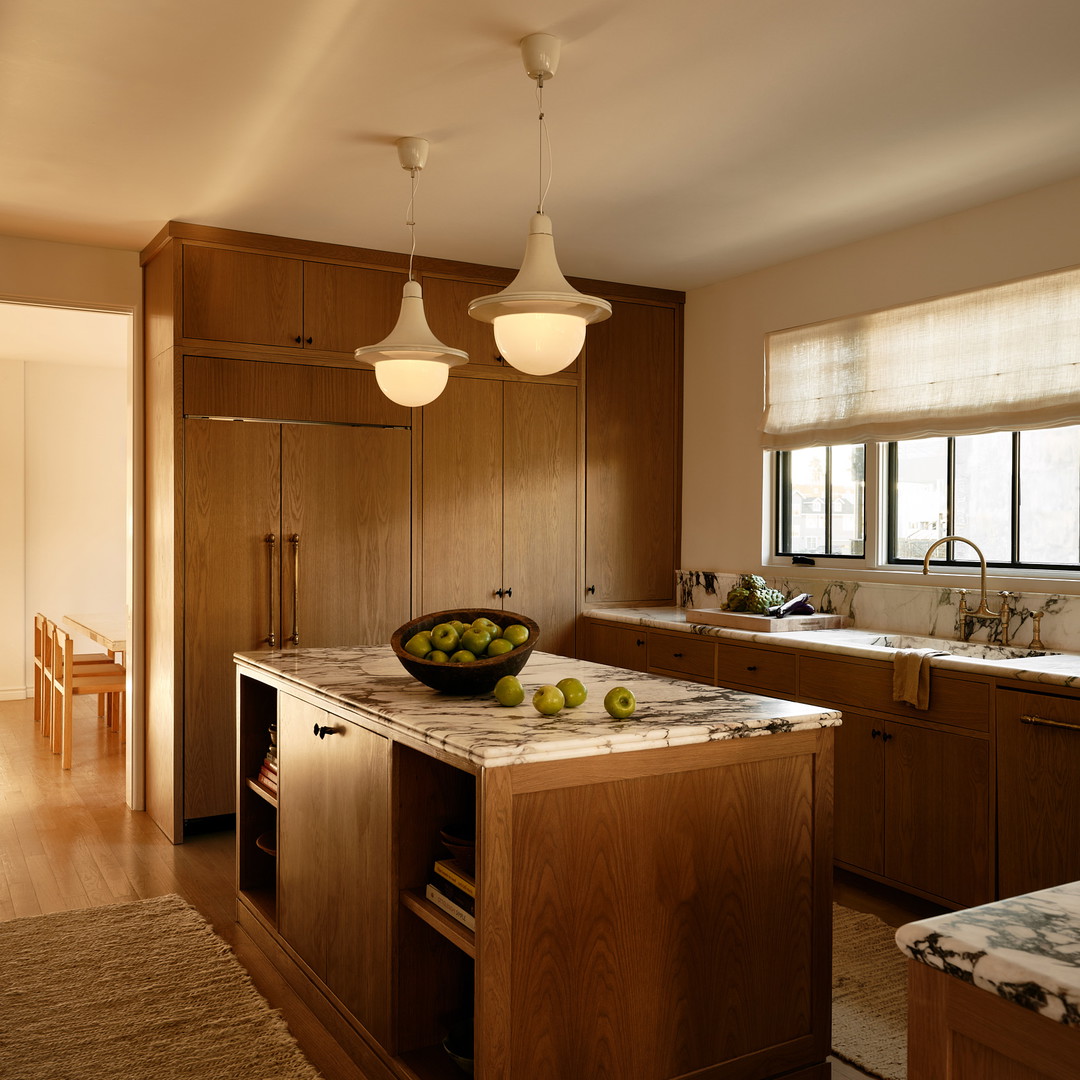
(271, 541)
(1041, 721)
(294, 637)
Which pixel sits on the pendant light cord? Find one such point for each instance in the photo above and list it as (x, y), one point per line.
(410, 218)
(545, 140)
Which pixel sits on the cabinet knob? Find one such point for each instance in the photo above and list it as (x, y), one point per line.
(886, 736)
(323, 731)
(591, 589)
(678, 655)
(640, 641)
(298, 339)
(498, 592)
(751, 667)
(874, 733)
(308, 340)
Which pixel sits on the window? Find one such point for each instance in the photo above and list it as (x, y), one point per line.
(1015, 493)
(821, 508)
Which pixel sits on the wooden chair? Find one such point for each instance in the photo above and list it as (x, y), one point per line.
(69, 680)
(43, 647)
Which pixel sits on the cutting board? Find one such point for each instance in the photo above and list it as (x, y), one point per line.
(762, 624)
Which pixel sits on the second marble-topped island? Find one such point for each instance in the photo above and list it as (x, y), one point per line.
(652, 895)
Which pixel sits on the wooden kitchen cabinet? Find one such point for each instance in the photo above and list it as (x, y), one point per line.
(685, 656)
(859, 801)
(500, 503)
(616, 644)
(250, 298)
(335, 501)
(633, 402)
(763, 671)
(1038, 776)
(333, 902)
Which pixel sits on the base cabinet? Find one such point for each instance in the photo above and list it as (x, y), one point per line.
(685, 931)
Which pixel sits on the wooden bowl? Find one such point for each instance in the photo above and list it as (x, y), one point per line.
(481, 675)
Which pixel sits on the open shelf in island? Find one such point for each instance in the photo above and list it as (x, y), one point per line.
(446, 925)
(262, 792)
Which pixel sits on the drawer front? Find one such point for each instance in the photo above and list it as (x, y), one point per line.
(683, 653)
(958, 702)
(763, 669)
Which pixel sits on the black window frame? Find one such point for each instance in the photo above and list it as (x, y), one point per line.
(782, 510)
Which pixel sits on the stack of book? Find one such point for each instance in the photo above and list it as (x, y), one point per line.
(452, 888)
(268, 771)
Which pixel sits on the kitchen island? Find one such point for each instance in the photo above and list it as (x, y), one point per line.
(652, 895)
(995, 990)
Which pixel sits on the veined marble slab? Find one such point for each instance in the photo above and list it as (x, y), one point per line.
(1062, 669)
(670, 712)
(1025, 949)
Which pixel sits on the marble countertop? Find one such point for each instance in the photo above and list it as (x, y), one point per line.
(670, 712)
(1058, 669)
(1025, 949)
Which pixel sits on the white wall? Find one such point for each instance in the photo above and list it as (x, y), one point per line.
(726, 324)
(76, 492)
(62, 274)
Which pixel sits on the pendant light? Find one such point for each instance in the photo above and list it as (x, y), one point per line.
(411, 365)
(540, 318)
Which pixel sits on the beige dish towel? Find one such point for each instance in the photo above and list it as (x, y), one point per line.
(911, 676)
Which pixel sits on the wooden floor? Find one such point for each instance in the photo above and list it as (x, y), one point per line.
(68, 841)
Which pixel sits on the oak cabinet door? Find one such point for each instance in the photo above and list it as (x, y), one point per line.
(462, 508)
(1038, 755)
(631, 455)
(540, 509)
(230, 590)
(334, 855)
(242, 296)
(346, 533)
(349, 306)
(446, 305)
(937, 824)
(859, 800)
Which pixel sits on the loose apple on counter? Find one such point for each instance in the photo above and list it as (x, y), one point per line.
(548, 700)
(574, 691)
(620, 702)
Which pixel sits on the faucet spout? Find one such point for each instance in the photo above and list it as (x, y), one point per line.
(983, 611)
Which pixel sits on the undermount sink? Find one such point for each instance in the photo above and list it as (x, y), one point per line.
(977, 650)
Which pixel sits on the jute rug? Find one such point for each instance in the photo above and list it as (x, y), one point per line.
(869, 995)
(140, 991)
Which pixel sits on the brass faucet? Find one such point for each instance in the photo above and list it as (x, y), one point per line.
(982, 612)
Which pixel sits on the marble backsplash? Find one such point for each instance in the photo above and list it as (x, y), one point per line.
(906, 609)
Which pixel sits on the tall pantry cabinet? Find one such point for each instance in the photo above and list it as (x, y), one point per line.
(290, 504)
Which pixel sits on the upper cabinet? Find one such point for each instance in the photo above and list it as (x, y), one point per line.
(633, 406)
(250, 298)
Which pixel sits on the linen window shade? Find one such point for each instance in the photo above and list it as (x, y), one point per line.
(1003, 358)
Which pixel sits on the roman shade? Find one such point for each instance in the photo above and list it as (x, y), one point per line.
(1002, 358)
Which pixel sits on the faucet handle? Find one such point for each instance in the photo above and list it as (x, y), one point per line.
(1036, 638)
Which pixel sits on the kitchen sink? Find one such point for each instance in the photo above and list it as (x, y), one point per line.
(977, 650)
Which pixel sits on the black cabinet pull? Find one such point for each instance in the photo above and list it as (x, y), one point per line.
(678, 655)
(298, 339)
(874, 733)
(510, 591)
(886, 736)
(323, 731)
(498, 592)
(641, 641)
(308, 340)
(751, 667)
(591, 589)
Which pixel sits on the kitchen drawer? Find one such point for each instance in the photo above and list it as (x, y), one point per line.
(685, 654)
(954, 700)
(763, 669)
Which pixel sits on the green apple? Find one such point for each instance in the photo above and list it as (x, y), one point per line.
(438, 656)
(619, 702)
(499, 647)
(516, 634)
(548, 700)
(476, 639)
(445, 637)
(463, 656)
(459, 626)
(574, 691)
(487, 624)
(419, 644)
(509, 691)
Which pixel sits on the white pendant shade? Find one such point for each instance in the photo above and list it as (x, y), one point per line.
(540, 318)
(411, 364)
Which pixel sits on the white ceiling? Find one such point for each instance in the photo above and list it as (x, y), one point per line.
(692, 139)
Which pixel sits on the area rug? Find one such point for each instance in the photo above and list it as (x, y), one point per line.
(136, 991)
(869, 995)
